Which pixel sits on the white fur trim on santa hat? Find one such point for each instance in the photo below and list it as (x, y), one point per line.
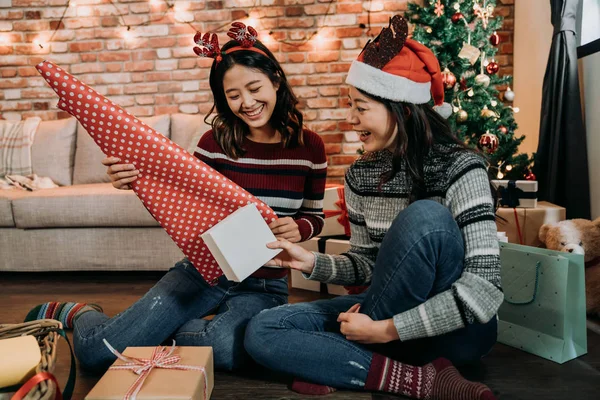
(387, 86)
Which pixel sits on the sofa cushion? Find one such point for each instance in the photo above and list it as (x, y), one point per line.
(91, 205)
(186, 130)
(88, 157)
(16, 138)
(6, 198)
(53, 150)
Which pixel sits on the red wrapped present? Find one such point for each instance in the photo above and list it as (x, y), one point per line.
(182, 193)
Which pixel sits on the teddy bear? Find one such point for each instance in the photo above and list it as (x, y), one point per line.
(579, 236)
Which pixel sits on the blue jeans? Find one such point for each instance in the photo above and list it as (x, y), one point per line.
(174, 308)
(421, 255)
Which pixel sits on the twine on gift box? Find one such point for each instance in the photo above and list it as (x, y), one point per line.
(161, 358)
(343, 218)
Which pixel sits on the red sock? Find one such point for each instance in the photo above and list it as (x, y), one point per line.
(303, 387)
(438, 380)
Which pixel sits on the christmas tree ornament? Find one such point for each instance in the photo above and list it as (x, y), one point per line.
(470, 93)
(439, 8)
(463, 83)
(469, 52)
(483, 13)
(494, 103)
(483, 80)
(530, 176)
(456, 6)
(462, 116)
(428, 29)
(488, 142)
(492, 67)
(509, 167)
(495, 39)
(449, 79)
(487, 113)
(509, 95)
(503, 129)
(456, 17)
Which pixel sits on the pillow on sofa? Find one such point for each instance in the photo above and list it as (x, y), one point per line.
(53, 150)
(187, 129)
(16, 139)
(88, 157)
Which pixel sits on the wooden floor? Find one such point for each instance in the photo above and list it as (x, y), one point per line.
(510, 373)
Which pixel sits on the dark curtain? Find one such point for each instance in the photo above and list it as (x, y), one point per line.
(561, 164)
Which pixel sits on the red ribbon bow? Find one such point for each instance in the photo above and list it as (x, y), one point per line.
(161, 358)
(343, 218)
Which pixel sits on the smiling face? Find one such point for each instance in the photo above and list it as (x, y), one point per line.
(374, 123)
(251, 96)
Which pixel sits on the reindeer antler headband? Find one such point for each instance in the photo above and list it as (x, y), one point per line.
(208, 43)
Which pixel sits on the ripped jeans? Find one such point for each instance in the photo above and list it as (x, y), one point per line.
(421, 255)
(174, 309)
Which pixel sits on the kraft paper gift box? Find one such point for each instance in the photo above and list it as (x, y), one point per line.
(299, 281)
(520, 193)
(239, 243)
(161, 383)
(528, 221)
(336, 214)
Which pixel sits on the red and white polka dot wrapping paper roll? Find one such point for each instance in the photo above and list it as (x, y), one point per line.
(182, 193)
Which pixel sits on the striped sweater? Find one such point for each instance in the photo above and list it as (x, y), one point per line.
(459, 181)
(289, 180)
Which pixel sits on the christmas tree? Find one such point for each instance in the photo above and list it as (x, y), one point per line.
(462, 34)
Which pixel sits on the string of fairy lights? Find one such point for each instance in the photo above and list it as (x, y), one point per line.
(183, 13)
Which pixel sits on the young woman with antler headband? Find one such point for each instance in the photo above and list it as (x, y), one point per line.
(258, 141)
(423, 237)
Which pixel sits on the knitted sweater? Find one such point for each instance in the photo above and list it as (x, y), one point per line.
(289, 180)
(459, 181)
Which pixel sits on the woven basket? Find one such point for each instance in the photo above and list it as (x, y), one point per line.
(46, 333)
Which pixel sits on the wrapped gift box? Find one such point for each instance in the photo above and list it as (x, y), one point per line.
(336, 214)
(528, 221)
(521, 194)
(161, 383)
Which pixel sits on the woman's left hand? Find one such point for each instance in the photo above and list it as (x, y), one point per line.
(362, 329)
(286, 228)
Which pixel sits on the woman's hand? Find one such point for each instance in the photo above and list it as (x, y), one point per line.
(362, 329)
(121, 175)
(292, 256)
(286, 228)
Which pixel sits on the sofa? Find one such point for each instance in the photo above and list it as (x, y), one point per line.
(85, 223)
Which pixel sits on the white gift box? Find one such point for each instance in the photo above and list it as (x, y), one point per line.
(332, 227)
(523, 192)
(238, 243)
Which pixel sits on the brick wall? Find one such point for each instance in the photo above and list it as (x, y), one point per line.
(156, 72)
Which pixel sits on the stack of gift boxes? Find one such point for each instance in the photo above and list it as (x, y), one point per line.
(519, 219)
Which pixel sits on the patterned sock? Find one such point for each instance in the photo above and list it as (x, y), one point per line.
(66, 313)
(438, 380)
(304, 387)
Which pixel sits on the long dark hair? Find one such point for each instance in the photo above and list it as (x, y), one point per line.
(419, 128)
(229, 130)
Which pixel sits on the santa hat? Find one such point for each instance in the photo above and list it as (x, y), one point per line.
(396, 68)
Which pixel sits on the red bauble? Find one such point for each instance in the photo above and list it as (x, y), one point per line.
(457, 17)
(492, 67)
(530, 176)
(488, 142)
(448, 78)
(463, 83)
(495, 39)
(503, 130)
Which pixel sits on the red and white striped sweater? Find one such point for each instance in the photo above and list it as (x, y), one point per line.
(289, 180)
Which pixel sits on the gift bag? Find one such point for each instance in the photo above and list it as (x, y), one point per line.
(543, 311)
